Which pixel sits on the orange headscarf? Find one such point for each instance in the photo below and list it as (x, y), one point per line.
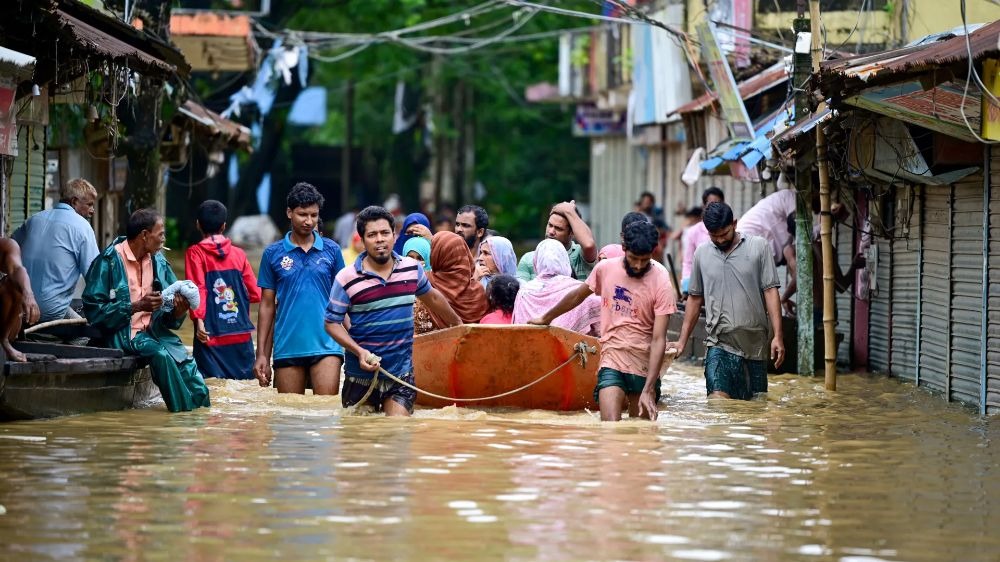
(451, 275)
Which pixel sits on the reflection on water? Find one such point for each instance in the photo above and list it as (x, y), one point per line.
(878, 471)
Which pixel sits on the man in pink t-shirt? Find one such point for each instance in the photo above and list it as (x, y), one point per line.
(636, 301)
(697, 234)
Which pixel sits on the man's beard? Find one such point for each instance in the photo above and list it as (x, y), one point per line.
(471, 240)
(725, 245)
(636, 273)
(381, 260)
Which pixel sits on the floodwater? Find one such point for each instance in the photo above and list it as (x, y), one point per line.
(877, 471)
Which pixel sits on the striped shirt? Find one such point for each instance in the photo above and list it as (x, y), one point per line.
(381, 312)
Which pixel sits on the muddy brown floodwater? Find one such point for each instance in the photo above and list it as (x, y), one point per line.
(877, 471)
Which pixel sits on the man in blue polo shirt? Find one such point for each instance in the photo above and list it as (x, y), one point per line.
(378, 291)
(295, 278)
(58, 246)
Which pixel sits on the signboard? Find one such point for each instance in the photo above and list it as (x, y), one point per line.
(589, 121)
(733, 111)
(991, 111)
(8, 127)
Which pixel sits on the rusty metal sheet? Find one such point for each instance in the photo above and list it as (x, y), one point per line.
(96, 41)
(769, 78)
(215, 124)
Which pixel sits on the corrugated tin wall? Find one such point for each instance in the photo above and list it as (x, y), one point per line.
(904, 284)
(617, 177)
(935, 283)
(881, 305)
(993, 327)
(27, 180)
(966, 290)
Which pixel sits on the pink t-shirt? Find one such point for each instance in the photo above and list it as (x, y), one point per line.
(769, 220)
(497, 317)
(628, 308)
(694, 236)
(140, 283)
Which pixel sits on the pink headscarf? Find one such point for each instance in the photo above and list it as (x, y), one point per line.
(611, 251)
(552, 282)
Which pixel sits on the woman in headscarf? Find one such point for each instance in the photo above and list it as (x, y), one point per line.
(610, 251)
(403, 237)
(419, 249)
(553, 280)
(496, 257)
(451, 275)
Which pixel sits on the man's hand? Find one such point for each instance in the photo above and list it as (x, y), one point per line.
(788, 308)
(647, 404)
(777, 351)
(540, 321)
(675, 346)
(262, 370)
(369, 361)
(199, 330)
(419, 230)
(149, 303)
(29, 308)
(567, 208)
(181, 305)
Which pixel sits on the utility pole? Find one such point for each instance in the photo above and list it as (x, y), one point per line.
(345, 153)
(826, 221)
(802, 66)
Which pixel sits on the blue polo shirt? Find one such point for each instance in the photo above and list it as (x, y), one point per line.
(301, 282)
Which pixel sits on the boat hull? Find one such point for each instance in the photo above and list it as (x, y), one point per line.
(472, 361)
(74, 380)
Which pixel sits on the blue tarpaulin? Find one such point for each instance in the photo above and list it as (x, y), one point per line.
(750, 153)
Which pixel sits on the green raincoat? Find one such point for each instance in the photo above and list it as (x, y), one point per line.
(108, 307)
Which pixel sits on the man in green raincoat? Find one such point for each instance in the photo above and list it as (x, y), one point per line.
(122, 299)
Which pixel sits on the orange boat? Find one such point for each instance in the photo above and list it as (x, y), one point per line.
(473, 360)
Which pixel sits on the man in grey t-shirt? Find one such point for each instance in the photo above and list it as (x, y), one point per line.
(735, 278)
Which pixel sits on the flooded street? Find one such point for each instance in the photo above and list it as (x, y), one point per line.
(878, 471)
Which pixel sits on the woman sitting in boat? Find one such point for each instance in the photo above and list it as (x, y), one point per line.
(500, 296)
(451, 275)
(552, 282)
(496, 257)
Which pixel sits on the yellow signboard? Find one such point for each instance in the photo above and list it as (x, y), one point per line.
(991, 111)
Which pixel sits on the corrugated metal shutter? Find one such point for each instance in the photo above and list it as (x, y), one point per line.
(905, 255)
(879, 320)
(935, 288)
(966, 290)
(27, 181)
(993, 328)
(617, 177)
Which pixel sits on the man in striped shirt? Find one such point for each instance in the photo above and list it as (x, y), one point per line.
(378, 292)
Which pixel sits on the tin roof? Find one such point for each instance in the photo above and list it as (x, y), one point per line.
(215, 124)
(933, 52)
(767, 79)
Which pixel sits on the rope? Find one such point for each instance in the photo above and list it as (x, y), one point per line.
(581, 350)
(51, 323)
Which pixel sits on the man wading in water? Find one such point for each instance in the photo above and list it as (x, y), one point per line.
(637, 299)
(377, 292)
(735, 278)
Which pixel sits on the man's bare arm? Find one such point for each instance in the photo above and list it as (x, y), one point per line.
(581, 232)
(438, 305)
(568, 303)
(692, 308)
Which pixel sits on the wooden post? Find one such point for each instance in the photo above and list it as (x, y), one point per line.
(826, 222)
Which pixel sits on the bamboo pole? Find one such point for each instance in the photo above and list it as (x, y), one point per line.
(826, 221)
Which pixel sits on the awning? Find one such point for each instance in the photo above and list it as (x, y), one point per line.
(797, 130)
(91, 39)
(749, 153)
(212, 124)
(772, 76)
(939, 108)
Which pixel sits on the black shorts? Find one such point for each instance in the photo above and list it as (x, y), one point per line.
(306, 362)
(355, 389)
